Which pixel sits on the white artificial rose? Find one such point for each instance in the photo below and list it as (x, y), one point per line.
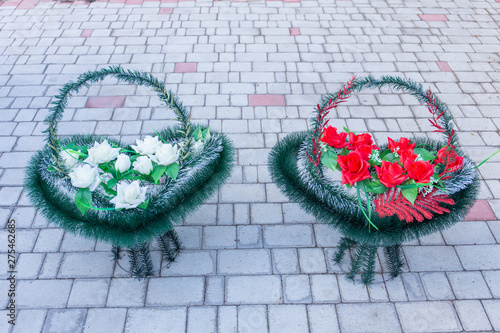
(143, 165)
(102, 153)
(198, 145)
(129, 195)
(147, 146)
(122, 163)
(69, 157)
(85, 176)
(166, 154)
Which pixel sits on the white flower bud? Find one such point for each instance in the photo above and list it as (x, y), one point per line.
(122, 163)
(143, 165)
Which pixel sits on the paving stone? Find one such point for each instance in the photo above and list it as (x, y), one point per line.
(352, 292)
(108, 320)
(202, 320)
(428, 317)
(227, 319)
(292, 213)
(325, 289)
(48, 240)
(323, 318)
(436, 286)
(468, 233)
(413, 286)
(297, 289)
(472, 315)
(288, 318)
(432, 258)
(469, 285)
(29, 321)
(253, 290)
(479, 257)
(89, 293)
(312, 261)
(64, 321)
(255, 261)
(252, 318)
(156, 320)
(28, 265)
(396, 290)
(191, 263)
(40, 293)
(366, 317)
(219, 237)
(175, 291)
(249, 236)
(86, 264)
(288, 235)
(285, 261)
(266, 213)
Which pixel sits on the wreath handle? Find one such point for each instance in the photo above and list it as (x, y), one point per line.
(442, 117)
(133, 77)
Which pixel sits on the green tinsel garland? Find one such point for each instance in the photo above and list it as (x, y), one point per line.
(331, 203)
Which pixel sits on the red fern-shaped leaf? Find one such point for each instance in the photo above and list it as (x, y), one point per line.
(393, 203)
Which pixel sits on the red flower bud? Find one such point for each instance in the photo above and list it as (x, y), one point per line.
(406, 155)
(402, 144)
(360, 140)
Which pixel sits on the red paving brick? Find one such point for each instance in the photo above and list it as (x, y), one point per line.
(443, 65)
(266, 100)
(481, 211)
(87, 33)
(294, 31)
(185, 67)
(105, 102)
(167, 10)
(433, 17)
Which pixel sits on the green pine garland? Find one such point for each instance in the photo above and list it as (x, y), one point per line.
(331, 203)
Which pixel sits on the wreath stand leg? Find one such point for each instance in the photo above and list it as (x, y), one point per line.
(364, 258)
(141, 265)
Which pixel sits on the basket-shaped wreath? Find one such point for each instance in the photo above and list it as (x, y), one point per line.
(131, 194)
(393, 208)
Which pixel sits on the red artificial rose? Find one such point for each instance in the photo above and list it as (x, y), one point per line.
(401, 145)
(390, 174)
(449, 158)
(420, 171)
(334, 139)
(406, 155)
(360, 140)
(354, 168)
(364, 151)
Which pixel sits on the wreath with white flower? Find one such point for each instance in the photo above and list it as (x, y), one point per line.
(127, 195)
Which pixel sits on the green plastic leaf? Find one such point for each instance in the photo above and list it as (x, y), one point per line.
(409, 192)
(391, 157)
(173, 170)
(425, 154)
(329, 159)
(144, 205)
(52, 169)
(71, 146)
(206, 134)
(157, 172)
(376, 187)
(112, 182)
(133, 158)
(197, 134)
(83, 200)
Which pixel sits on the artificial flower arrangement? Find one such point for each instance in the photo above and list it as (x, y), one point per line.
(388, 194)
(123, 174)
(127, 195)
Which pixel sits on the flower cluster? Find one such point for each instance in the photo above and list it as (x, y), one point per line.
(123, 174)
(404, 164)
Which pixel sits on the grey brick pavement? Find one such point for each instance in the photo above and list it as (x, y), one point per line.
(254, 262)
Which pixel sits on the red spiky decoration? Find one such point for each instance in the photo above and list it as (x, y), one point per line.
(392, 202)
(342, 96)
